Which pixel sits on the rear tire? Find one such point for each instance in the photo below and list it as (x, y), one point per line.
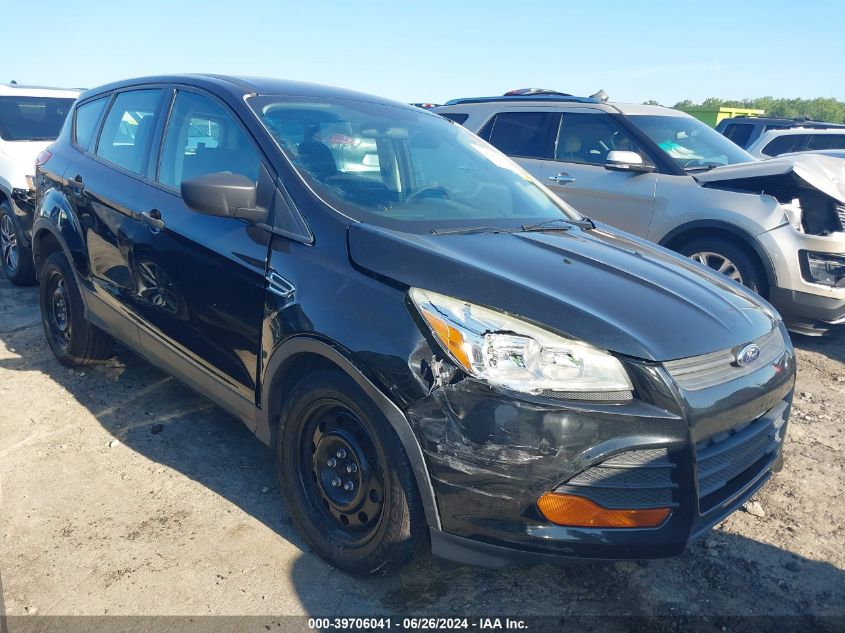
(727, 258)
(16, 257)
(349, 487)
(72, 339)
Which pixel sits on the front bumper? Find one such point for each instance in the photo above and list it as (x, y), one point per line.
(491, 456)
(808, 308)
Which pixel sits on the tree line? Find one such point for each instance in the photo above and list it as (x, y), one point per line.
(819, 109)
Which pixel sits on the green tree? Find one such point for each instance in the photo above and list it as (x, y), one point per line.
(818, 109)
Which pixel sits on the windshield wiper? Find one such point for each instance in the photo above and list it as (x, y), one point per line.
(705, 167)
(584, 223)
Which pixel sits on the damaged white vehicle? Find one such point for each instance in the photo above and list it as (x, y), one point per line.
(777, 226)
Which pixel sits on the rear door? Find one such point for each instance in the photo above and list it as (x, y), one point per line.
(200, 279)
(525, 136)
(103, 185)
(576, 171)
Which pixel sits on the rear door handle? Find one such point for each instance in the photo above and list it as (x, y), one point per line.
(562, 178)
(152, 218)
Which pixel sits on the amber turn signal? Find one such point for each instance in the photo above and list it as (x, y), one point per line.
(450, 337)
(577, 511)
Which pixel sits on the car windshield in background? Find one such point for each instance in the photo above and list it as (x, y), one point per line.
(387, 164)
(692, 144)
(32, 118)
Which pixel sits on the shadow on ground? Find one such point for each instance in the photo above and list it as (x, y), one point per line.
(727, 574)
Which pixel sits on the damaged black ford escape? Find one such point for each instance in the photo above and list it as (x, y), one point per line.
(435, 344)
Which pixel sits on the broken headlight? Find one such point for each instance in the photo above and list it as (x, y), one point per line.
(507, 351)
(823, 268)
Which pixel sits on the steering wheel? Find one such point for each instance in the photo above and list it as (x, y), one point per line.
(427, 191)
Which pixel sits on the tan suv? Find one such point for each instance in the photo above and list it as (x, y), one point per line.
(775, 226)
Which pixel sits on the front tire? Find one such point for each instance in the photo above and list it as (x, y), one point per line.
(72, 339)
(727, 258)
(16, 257)
(345, 477)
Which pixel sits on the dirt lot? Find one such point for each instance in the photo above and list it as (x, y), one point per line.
(182, 514)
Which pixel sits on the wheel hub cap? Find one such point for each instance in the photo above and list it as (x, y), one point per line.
(719, 263)
(346, 471)
(9, 244)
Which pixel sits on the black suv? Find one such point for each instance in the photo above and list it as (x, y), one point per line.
(434, 343)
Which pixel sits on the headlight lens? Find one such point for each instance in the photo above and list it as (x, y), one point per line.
(507, 351)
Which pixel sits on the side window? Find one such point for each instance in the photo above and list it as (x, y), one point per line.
(588, 138)
(128, 130)
(827, 141)
(523, 134)
(457, 117)
(87, 115)
(739, 133)
(203, 138)
(784, 144)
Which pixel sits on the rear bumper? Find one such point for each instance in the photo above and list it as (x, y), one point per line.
(23, 206)
(490, 458)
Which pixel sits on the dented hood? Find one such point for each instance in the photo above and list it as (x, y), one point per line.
(606, 288)
(825, 173)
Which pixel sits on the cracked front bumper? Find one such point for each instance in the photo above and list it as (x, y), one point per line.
(491, 455)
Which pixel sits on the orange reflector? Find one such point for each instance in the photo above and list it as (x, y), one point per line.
(580, 512)
(451, 338)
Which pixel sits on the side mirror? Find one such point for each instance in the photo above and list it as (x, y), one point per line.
(223, 194)
(619, 160)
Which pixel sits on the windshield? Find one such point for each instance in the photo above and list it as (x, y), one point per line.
(32, 118)
(396, 166)
(692, 144)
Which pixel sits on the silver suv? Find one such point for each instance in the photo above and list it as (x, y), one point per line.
(776, 226)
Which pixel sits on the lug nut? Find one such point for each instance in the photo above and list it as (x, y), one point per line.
(336, 482)
(349, 486)
(332, 462)
(341, 454)
(352, 468)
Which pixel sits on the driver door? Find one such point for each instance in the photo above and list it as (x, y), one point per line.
(576, 172)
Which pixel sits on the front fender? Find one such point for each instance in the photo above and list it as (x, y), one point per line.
(299, 345)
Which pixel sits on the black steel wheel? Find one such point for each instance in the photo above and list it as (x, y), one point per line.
(345, 476)
(73, 340)
(15, 255)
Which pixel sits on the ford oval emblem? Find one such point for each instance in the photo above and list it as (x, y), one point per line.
(747, 355)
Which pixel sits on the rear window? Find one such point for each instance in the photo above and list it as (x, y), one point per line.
(32, 118)
(523, 134)
(457, 117)
(785, 144)
(739, 133)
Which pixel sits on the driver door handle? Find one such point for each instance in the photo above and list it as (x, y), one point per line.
(562, 178)
(152, 218)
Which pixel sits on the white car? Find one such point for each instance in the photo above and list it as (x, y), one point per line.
(776, 226)
(797, 139)
(30, 119)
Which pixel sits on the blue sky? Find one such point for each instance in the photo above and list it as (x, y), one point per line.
(432, 50)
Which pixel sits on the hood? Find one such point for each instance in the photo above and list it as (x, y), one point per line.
(825, 173)
(608, 289)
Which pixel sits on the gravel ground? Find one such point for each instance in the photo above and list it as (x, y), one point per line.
(123, 492)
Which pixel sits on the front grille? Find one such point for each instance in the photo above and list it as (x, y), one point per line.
(729, 460)
(632, 480)
(708, 370)
(592, 396)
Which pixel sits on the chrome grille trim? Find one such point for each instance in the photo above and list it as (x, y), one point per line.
(708, 370)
